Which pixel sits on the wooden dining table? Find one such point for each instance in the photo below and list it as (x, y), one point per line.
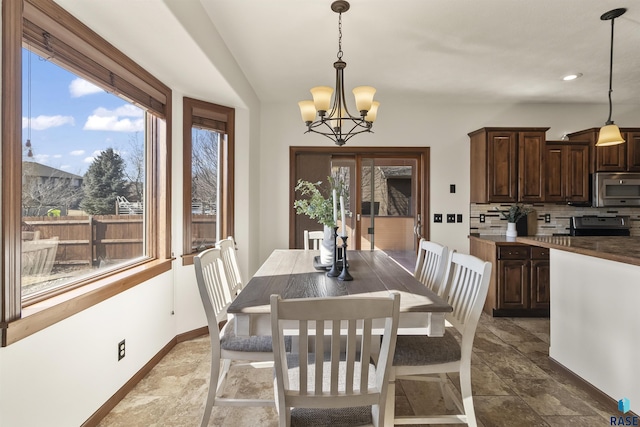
(292, 274)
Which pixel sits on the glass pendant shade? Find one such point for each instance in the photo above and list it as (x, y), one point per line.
(373, 112)
(609, 135)
(322, 97)
(307, 110)
(364, 97)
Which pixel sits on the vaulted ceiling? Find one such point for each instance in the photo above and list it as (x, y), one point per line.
(513, 51)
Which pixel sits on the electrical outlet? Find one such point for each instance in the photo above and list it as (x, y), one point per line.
(452, 188)
(437, 217)
(121, 350)
(547, 218)
(458, 217)
(482, 218)
(451, 217)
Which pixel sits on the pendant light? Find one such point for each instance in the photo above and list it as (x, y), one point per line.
(334, 120)
(610, 133)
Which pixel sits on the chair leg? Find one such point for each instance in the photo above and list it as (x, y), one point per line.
(390, 407)
(222, 377)
(467, 397)
(213, 389)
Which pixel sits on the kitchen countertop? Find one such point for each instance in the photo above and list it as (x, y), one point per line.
(495, 238)
(620, 249)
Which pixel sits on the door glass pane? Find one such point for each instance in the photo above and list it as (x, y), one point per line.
(83, 178)
(388, 204)
(204, 187)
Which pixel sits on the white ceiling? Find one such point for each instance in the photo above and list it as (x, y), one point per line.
(513, 51)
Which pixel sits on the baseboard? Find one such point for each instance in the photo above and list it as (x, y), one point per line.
(102, 412)
(592, 390)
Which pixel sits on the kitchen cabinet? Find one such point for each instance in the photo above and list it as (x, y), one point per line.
(566, 166)
(507, 165)
(519, 284)
(614, 158)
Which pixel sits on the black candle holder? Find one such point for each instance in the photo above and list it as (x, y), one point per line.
(334, 268)
(345, 276)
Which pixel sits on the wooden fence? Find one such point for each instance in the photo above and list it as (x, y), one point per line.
(90, 240)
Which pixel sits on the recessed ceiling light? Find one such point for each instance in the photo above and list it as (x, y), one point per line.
(569, 77)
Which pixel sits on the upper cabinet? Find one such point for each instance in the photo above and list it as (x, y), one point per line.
(615, 158)
(566, 171)
(507, 165)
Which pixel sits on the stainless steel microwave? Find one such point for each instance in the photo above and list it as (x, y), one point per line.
(616, 189)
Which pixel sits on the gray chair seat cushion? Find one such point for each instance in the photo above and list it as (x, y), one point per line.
(419, 350)
(332, 417)
(256, 344)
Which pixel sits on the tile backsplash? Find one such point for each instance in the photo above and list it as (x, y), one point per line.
(494, 224)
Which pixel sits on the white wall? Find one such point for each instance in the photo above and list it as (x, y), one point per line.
(62, 375)
(418, 122)
(595, 322)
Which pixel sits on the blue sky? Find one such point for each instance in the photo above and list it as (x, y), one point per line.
(72, 120)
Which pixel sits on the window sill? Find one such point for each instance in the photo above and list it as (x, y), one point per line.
(43, 314)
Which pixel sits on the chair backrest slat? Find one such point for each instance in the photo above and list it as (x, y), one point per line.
(467, 281)
(230, 261)
(341, 350)
(213, 288)
(431, 265)
(314, 237)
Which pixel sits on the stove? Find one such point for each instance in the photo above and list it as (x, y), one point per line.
(591, 225)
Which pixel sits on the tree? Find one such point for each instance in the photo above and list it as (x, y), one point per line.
(45, 187)
(134, 169)
(103, 182)
(204, 167)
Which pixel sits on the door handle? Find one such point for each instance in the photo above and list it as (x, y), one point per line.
(417, 227)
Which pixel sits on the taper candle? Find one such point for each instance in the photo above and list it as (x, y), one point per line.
(342, 217)
(335, 207)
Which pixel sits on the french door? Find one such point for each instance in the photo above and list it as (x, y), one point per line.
(388, 194)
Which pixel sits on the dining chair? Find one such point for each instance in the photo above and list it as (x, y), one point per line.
(419, 357)
(230, 261)
(431, 265)
(333, 382)
(225, 345)
(314, 237)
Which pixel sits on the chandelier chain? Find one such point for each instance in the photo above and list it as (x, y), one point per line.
(340, 36)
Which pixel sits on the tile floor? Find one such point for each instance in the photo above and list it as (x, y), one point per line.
(513, 383)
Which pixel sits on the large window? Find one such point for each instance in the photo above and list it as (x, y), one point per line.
(83, 179)
(85, 163)
(208, 174)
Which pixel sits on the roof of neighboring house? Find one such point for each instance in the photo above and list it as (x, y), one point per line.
(38, 169)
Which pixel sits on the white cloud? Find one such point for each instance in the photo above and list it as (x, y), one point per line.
(89, 159)
(77, 152)
(41, 158)
(57, 156)
(65, 167)
(127, 110)
(46, 122)
(80, 87)
(104, 119)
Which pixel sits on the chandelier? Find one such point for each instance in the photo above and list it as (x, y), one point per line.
(610, 133)
(334, 120)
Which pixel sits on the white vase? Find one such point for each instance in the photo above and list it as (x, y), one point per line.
(512, 233)
(327, 247)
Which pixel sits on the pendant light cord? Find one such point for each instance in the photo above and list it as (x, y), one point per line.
(609, 122)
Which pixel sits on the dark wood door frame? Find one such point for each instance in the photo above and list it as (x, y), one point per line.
(389, 152)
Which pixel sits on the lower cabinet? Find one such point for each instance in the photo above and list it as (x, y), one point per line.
(519, 279)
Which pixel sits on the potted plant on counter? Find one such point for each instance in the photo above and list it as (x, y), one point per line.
(512, 215)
